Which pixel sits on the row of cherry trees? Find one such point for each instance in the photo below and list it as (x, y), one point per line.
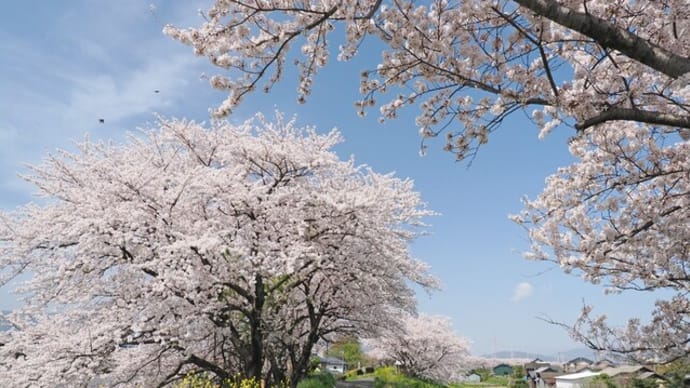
(616, 72)
(226, 250)
(423, 346)
(234, 249)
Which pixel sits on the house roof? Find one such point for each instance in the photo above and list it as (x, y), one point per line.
(331, 361)
(648, 375)
(578, 360)
(547, 368)
(582, 368)
(625, 369)
(578, 375)
(604, 361)
(536, 362)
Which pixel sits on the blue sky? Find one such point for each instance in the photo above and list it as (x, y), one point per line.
(65, 65)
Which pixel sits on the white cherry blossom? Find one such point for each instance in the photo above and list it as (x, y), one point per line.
(616, 72)
(230, 249)
(424, 346)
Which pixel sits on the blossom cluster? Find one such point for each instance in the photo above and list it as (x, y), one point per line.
(230, 249)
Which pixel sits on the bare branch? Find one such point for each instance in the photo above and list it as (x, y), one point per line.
(642, 116)
(609, 35)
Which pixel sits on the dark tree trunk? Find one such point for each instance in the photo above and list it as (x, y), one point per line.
(255, 366)
(301, 364)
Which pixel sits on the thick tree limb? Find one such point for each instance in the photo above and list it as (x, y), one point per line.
(642, 116)
(206, 365)
(609, 35)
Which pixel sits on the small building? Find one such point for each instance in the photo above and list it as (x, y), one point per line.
(578, 364)
(535, 364)
(544, 377)
(603, 364)
(624, 375)
(473, 378)
(333, 365)
(502, 370)
(549, 369)
(576, 380)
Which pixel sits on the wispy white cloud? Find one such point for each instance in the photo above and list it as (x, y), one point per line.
(58, 82)
(522, 291)
(152, 87)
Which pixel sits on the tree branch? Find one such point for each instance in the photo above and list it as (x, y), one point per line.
(609, 35)
(629, 114)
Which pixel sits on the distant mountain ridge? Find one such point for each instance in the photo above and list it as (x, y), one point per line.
(558, 357)
(507, 354)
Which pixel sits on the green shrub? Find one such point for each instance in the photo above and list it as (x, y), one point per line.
(204, 380)
(389, 377)
(498, 380)
(637, 383)
(603, 380)
(321, 380)
(518, 383)
(386, 377)
(196, 380)
(483, 373)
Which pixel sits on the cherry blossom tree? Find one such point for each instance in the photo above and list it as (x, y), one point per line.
(616, 72)
(223, 250)
(621, 216)
(423, 346)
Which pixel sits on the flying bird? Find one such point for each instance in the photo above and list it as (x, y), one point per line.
(102, 121)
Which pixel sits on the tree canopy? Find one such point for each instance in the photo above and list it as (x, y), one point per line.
(224, 250)
(616, 72)
(423, 346)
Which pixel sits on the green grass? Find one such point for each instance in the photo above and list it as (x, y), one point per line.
(204, 381)
(389, 377)
(498, 380)
(493, 381)
(321, 380)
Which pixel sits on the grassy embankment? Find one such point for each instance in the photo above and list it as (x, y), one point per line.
(388, 377)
